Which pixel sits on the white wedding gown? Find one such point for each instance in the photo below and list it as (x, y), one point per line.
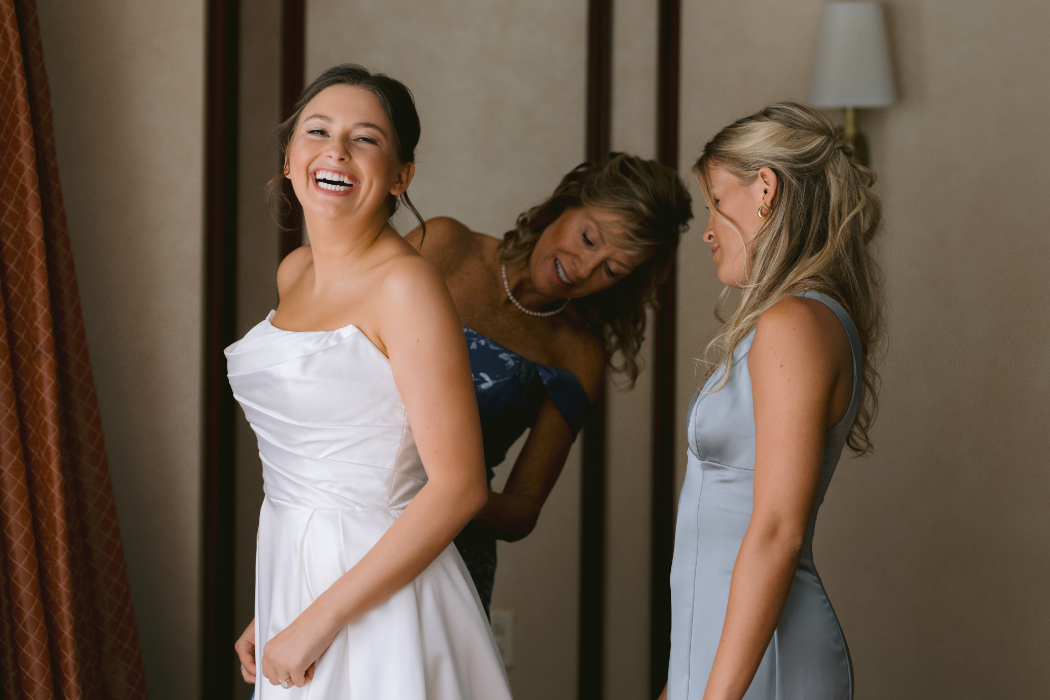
(340, 464)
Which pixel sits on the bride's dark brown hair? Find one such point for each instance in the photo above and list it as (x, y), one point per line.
(397, 102)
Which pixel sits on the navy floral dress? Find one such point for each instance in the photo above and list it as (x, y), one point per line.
(510, 390)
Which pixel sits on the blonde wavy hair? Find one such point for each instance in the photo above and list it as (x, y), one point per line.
(655, 207)
(817, 238)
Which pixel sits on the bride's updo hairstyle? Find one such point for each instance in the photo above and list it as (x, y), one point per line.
(655, 207)
(817, 237)
(397, 102)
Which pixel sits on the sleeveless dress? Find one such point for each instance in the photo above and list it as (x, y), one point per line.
(807, 659)
(340, 465)
(510, 390)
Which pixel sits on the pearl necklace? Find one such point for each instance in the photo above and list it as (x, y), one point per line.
(522, 309)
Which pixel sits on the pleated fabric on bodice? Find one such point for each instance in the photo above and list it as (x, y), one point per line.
(339, 466)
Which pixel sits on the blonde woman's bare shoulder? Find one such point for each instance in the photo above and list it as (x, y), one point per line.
(793, 315)
(799, 329)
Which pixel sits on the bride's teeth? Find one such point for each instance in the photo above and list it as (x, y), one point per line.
(332, 181)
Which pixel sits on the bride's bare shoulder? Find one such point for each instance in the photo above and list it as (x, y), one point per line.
(411, 279)
(411, 303)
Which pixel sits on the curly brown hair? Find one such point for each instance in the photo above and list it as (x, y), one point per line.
(655, 207)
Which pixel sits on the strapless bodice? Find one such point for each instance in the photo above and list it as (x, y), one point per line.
(332, 429)
(340, 464)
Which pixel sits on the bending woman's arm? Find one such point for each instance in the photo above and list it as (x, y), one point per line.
(795, 368)
(419, 331)
(512, 514)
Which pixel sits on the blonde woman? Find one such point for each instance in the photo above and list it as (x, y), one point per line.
(792, 215)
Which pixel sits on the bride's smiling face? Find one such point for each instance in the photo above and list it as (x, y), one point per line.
(342, 159)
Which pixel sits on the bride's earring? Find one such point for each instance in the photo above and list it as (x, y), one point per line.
(764, 211)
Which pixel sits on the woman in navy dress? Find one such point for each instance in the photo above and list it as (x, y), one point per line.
(563, 296)
(792, 217)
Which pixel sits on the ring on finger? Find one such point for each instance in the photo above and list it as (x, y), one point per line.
(287, 683)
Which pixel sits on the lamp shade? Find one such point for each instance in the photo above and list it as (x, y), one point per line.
(852, 66)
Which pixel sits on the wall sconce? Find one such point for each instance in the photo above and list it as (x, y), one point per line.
(852, 66)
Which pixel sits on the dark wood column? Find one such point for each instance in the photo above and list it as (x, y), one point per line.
(664, 362)
(220, 309)
(293, 68)
(592, 487)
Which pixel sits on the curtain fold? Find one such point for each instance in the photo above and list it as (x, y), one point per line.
(67, 628)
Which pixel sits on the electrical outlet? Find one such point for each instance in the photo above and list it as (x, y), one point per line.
(503, 631)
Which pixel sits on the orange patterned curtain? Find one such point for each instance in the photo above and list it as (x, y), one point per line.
(67, 629)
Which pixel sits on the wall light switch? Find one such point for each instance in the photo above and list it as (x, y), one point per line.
(503, 630)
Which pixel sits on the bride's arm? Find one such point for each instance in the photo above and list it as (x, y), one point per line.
(419, 330)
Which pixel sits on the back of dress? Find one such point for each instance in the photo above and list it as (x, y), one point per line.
(339, 466)
(807, 659)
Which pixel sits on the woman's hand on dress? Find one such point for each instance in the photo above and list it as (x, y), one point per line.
(292, 653)
(245, 648)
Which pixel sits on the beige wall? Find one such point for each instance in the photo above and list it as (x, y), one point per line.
(933, 550)
(500, 89)
(127, 84)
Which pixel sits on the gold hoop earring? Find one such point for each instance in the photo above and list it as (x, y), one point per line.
(767, 211)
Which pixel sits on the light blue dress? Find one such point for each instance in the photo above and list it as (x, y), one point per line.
(807, 659)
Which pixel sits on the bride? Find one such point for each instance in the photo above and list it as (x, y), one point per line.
(358, 381)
